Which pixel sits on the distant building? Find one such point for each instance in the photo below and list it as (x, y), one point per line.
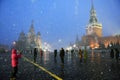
(93, 27)
(30, 40)
(94, 37)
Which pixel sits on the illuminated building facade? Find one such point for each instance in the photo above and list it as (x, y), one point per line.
(93, 27)
(33, 40)
(93, 31)
(30, 40)
(94, 37)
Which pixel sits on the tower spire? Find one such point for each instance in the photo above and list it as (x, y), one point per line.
(32, 27)
(93, 18)
(92, 4)
(32, 21)
(93, 28)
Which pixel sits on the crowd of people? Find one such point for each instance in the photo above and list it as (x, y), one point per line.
(82, 54)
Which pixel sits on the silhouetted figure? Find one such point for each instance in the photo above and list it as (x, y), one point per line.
(80, 54)
(85, 54)
(41, 53)
(116, 54)
(66, 51)
(31, 51)
(62, 53)
(72, 51)
(112, 53)
(55, 53)
(14, 62)
(35, 54)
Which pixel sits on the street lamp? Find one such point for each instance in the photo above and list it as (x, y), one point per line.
(74, 45)
(14, 43)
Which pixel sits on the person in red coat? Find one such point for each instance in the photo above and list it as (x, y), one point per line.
(14, 62)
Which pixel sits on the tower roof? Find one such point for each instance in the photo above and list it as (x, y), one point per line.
(93, 17)
(38, 33)
(32, 27)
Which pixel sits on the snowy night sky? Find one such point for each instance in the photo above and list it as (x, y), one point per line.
(59, 21)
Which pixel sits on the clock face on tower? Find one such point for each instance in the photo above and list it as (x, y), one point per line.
(90, 30)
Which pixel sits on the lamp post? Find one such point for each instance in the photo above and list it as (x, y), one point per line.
(14, 44)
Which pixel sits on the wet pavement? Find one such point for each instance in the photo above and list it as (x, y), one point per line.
(99, 66)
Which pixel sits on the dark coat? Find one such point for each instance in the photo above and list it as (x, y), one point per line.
(62, 53)
(112, 53)
(116, 53)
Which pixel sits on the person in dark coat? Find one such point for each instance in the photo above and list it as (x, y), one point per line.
(41, 53)
(35, 54)
(85, 54)
(55, 53)
(112, 53)
(116, 54)
(80, 55)
(62, 53)
(72, 52)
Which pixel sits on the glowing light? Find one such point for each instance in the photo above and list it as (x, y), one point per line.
(69, 48)
(46, 47)
(74, 45)
(59, 40)
(14, 43)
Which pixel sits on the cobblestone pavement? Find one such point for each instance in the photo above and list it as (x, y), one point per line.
(98, 67)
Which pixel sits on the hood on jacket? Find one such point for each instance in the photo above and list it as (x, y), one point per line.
(13, 51)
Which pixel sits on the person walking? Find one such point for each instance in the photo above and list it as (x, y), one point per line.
(35, 54)
(85, 54)
(14, 62)
(112, 53)
(72, 52)
(62, 53)
(55, 53)
(116, 54)
(80, 55)
(41, 53)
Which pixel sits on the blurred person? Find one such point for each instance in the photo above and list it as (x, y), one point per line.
(14, 62)
(35, 54)
(112, 53)
(62, 53)
(66, 51)
(116, 54)
(72, 52)
(41, 53)
(55, 53)
(80, 54)
(85, 54)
